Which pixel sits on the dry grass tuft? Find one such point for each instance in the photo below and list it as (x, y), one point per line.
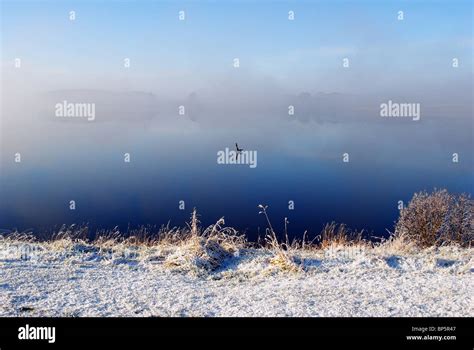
(206, 250)
(339, 235)
(15, 236)
(72, 232)
(396, 244)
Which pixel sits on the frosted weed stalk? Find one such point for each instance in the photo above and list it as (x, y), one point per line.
(281, 251)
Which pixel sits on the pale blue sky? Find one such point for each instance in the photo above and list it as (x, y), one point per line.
(257, 32)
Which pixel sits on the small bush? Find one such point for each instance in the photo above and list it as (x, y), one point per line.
(437, 218)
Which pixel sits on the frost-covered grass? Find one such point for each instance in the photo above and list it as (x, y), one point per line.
(214, 272)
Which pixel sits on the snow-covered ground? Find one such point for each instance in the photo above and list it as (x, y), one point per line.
(73, 279)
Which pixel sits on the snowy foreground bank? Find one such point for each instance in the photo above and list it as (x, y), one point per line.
(66, 278)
